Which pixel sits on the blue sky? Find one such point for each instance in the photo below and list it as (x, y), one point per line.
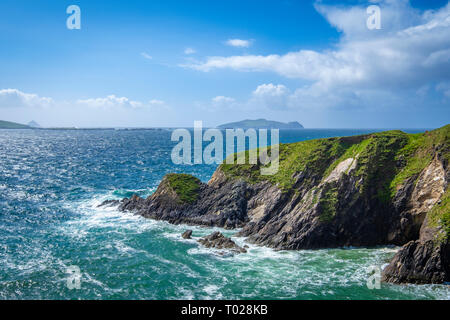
(168, 63)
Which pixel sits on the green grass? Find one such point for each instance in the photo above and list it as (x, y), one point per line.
(185, 186)
(384, 160)
(328, 204)
(352, 152)
(439, 216)
(314, 155)
(377, 162)
(417, 154)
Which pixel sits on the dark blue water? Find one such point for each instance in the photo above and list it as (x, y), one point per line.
(51, 182)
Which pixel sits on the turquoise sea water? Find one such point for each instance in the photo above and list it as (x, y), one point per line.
(51, 182)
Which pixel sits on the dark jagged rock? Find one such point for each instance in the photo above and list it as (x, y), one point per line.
(187, 234)
(223, 206)
(419, 262)
(426, 260)
(127, 204)
(365, 190)
(132, 204)
(218, 241)
(109, 203)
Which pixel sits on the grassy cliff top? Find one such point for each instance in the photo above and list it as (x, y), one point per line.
(385, 159)
(185, 186)
(383, 163)
(439, 216)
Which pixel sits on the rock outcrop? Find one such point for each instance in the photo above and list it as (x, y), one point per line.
(187, 234)
(419, 262)
(377, 189)
(218, 241)
(222, 205)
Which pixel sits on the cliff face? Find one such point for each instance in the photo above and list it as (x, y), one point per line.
(383, 188)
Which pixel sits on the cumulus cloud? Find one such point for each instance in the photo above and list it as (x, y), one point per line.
(271, 96)
(189, 51)
(409, 52)
(156, 102)
(146, 56)
(222, 99)
(223, 102)
(13, 98)
(239, 43)
(265, 96)
(110, 101)
(444, 87)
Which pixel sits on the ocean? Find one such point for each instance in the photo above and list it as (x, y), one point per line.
(51, 182)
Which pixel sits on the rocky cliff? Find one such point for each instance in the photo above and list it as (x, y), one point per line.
(376, 189)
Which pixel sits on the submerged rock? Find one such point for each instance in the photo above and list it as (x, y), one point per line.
(187, 234)
(109, 203)
(218, 241)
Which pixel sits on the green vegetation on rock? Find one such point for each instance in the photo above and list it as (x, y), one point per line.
(314, 155)
(439, 216)
(185, 186)
(417, 153)
(385, 160)
(328, 203)
(377, 162)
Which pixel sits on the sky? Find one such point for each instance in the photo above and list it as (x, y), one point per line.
(169, 63)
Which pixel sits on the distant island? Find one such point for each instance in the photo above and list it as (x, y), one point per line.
(34, 124)
(261, 124)
(12, 125)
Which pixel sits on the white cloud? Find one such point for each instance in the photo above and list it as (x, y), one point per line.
(222, 99)
(223, 102)
(189, 51)
(146, 56)
(409, 52)
(444, 87)
(239, 43)
(112, 110)
(156, 102)
(13, 98)
(271, 96)
(110, 101)
(351, 21)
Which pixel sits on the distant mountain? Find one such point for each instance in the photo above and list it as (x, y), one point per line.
(12, 125)
(33, 124)
(261, 124)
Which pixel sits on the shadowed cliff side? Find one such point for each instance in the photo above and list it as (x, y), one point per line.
(376, 189)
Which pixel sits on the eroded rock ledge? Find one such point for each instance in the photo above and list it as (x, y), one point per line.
(366, 190)
(219, 241)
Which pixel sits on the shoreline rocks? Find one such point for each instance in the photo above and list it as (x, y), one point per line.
(218, 241)
(420, 263)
